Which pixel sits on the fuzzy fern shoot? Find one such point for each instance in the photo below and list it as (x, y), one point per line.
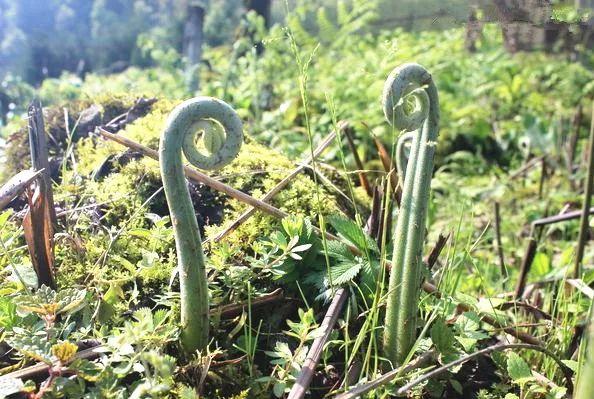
(410, 105)
(222, 136)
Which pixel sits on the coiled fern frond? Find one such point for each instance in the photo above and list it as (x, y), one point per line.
(221, 130)
(411, 105)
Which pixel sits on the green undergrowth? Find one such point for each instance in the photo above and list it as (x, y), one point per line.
(107, 239)
(491, 101)
(115, 254)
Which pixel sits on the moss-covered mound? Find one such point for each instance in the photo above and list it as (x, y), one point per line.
(114, 229)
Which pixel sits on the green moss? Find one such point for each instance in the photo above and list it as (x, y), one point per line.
(124, 189)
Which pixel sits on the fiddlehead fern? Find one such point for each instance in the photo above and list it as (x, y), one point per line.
(410, 104)
(221, 131)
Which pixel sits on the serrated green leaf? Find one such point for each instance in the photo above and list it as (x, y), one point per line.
(339, 250)
(278, 239)
(468, 344)
(160, 316)
(344, 272)
(353, 233)
(186, 392)
(468, 321)
(442, 337)
(46, 301)
(457, 386)
(35, 347)
(144, 319)
(541, 264)
(4, 216)
(140, 233)
(369, 275)
(25, 273)
(518, 369)
(8, 314)
(42, 302)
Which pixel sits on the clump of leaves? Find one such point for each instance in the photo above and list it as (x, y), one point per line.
(292, 255)
(287, 362)
(49, 342)
(297, 255)
(347, 266)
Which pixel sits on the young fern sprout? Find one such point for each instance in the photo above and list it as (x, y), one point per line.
(222, 136)
(410, 105)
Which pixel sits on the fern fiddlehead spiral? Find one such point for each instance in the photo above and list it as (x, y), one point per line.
(222, 133)
(410, 104)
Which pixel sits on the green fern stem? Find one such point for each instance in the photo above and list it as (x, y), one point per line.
(410, 105)
(585, 385)
(222, 133)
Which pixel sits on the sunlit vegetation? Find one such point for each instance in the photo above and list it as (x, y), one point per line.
(339, 231)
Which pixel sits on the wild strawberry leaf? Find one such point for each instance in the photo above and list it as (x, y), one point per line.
(344, 272)
(354, 234)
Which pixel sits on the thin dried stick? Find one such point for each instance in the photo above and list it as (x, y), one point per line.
(419, 362)
(390, 169)
(235, 309)
(584, 221)
(543, 177)
(536, 311)
(576, 123)
(16, 185)
(315, 352)
(563, 217)
(526, 167)
(40, 219)
(532, 244)
(526, 263)
(197, 176)
(39, 155)
(348, 132)
(436, 251)
(41, 369)
(581, 286)
(497, 226)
